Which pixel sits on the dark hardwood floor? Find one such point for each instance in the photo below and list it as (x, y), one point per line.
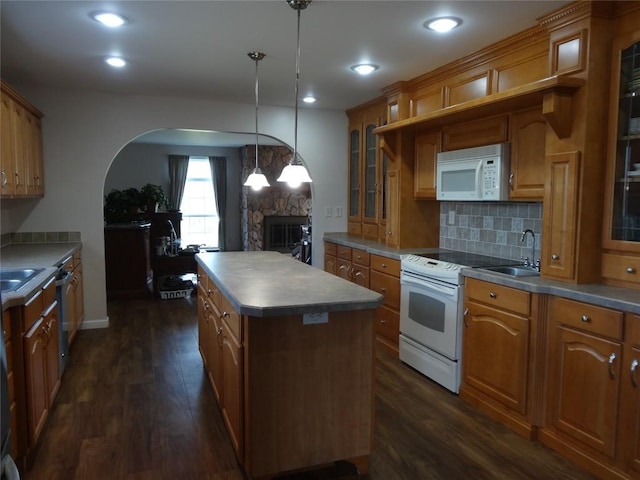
(135, 404)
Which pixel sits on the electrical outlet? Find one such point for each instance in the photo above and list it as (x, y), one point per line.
(313, 318)
(338, 211)
(452, 217)
(327, 212)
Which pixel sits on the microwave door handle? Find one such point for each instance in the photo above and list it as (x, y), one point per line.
(479, 179)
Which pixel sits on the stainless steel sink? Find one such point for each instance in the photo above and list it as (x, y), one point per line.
(14, 278)
(515, 271)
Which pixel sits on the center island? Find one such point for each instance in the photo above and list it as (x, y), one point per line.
(289, 352)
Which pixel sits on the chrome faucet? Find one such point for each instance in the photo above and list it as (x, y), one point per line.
(535, 264)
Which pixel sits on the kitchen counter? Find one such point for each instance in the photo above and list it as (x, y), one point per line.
(48, 256)
(267, 284)
(624, 299)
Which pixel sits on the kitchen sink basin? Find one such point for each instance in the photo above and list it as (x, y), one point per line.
(515, 271)
(13, 279)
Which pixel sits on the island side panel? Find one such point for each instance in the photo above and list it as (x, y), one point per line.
(308, 392)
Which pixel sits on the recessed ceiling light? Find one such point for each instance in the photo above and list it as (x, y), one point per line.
(116, 62)
(442, 24)
(365, 68)
(309, 99)
(109, 19)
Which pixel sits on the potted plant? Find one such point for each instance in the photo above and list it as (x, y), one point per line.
(154, 196)
(135, 200)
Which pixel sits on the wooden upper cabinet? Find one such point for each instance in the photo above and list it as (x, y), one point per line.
(560, 214)
(427, 147)
(485, 131)
(528, 131)
(21, 134)
(354, 173)
(392, 231)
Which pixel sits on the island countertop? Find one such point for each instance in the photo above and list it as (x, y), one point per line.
(266, 284)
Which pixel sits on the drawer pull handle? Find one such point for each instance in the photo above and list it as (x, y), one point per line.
(225, 315)
(464, 317)
(383, 321)
(631, 270)
(492, 295)
(585, 319)
(384, 265)
(612, 359)
(358, 273)
(555, 257)
(634, 368)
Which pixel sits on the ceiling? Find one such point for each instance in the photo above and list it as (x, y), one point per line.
(199, 49)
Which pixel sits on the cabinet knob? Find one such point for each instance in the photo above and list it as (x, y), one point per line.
(634, 368)
(555, 257)
(585, 319)
(384, 265)
(631, 270)
(383, 321)
(492, 295)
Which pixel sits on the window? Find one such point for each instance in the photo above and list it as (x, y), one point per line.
(199, 211)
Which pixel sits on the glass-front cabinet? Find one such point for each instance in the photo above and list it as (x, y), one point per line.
(622, 231)
(354, 174)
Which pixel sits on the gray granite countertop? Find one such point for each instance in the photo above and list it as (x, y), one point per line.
(624, 299)
(47, 256)
(266, 284)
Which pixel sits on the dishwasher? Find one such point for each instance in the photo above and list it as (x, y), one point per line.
(63, 277)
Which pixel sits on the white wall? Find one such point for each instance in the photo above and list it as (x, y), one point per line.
(83, 132)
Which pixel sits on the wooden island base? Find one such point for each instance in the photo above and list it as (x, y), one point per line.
(291, 366)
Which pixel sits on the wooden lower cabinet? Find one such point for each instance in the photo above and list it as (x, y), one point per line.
(385, 279)
(232, 376)
(629, 434)
(589, 411)
(499, 355)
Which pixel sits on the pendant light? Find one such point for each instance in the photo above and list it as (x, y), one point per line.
(256, 180)
(295, 173)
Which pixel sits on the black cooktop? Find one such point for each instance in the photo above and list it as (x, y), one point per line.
(468, 259)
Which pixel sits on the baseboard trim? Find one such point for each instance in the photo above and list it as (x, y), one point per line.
(94, 324)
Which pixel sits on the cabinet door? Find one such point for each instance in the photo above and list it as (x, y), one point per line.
(70, 314)
(622, 207)
(51, 326)
(343, 269)
(427, 147)
(215, 351)
(392, 234)
(232, 403)
(560, 205)
(7, 157)
(370, 173)
(330, 264)
(203, 318)
(35, 361)
(360, 276)
(354, 174)
(19, 171)
(495, 355)
(630, 395)
(584, 381)
(37, 162)
(528, 131)
(78, 296)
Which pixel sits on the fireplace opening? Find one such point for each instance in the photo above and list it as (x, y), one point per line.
(281, 234)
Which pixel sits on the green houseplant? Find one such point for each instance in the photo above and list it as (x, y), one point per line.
(154, 196)
(121, 205)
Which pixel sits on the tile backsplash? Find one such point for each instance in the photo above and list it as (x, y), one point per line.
(39, 237)
(491, 228)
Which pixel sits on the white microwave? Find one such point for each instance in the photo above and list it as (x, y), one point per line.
(473, 174)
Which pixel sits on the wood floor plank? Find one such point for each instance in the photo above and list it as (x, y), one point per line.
(135, 404)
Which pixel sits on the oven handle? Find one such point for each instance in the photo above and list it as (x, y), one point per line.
(408, 279)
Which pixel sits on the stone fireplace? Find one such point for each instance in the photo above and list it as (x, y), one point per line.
(276, 201)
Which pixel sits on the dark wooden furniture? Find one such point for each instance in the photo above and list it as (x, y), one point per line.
(165, 265)
(127, 260)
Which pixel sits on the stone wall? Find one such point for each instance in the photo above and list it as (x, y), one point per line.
(277, 200)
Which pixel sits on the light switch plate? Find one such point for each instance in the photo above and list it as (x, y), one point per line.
(327, 212)
(338, 211)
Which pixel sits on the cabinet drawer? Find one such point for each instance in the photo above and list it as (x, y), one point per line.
(584, 316)
(67, 263)
(499, 296)
(387, 323)
(344, 252)
(360, 257)
(388, 286)
(354, 228)
(49, 292)
(370, 231)
(330, 248)
(632, 333)
(330, 264)
(32, 311)
(621, 267)
(386, 265)
(203, 278)
(77, 259)
(231, 317)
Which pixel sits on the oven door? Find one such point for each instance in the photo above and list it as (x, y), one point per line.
(429, 313)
